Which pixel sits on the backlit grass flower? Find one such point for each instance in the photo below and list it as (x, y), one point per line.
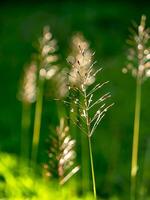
(47, 56)
(81, 61)
(139, 51)
(81, 78)
(27, 92)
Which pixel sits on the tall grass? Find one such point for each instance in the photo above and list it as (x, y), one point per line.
(77, 39)
(139, 65)
(27, 95)
(37, 120)
(46, 70)
(81, 77)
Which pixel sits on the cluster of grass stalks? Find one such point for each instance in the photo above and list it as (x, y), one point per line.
(79, 111)
(74, 88)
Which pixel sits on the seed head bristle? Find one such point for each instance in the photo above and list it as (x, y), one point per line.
(81, 76)
(81, 61)
(139, 52)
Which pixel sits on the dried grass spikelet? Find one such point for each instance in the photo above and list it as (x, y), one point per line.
(61, 164)
(80, 77)
(27, 92)
(139, 53)
(80, 60)
(47, 54)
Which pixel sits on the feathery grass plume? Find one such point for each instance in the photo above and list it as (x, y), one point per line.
(139, 65)
(27, 92)
(27, 95)
(47, 68)
(139, 51)
(61, 155)
(81, 76)
(78, 42)
(78, 45)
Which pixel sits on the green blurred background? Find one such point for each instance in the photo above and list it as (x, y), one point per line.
(105, 24)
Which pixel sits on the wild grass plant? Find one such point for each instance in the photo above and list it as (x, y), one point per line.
(81, 76)
(27, 95)
(77, 39)
(46, 58)
(139, 66)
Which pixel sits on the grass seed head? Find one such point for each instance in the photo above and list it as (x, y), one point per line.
(47, 54)
(27, 91)
(139, 51)
(81, 73)
(61, 164)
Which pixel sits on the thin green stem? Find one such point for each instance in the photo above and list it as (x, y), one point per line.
(135, 146)
(37, 121)
(25, 126)
(90, 146)
(92, 167)
(85, 164)
(85, 172)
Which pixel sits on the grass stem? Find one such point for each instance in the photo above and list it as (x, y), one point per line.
(25, 126)
(135, 146)
(92, 167)
(90, 146)
(37, 121)
(85, 164)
